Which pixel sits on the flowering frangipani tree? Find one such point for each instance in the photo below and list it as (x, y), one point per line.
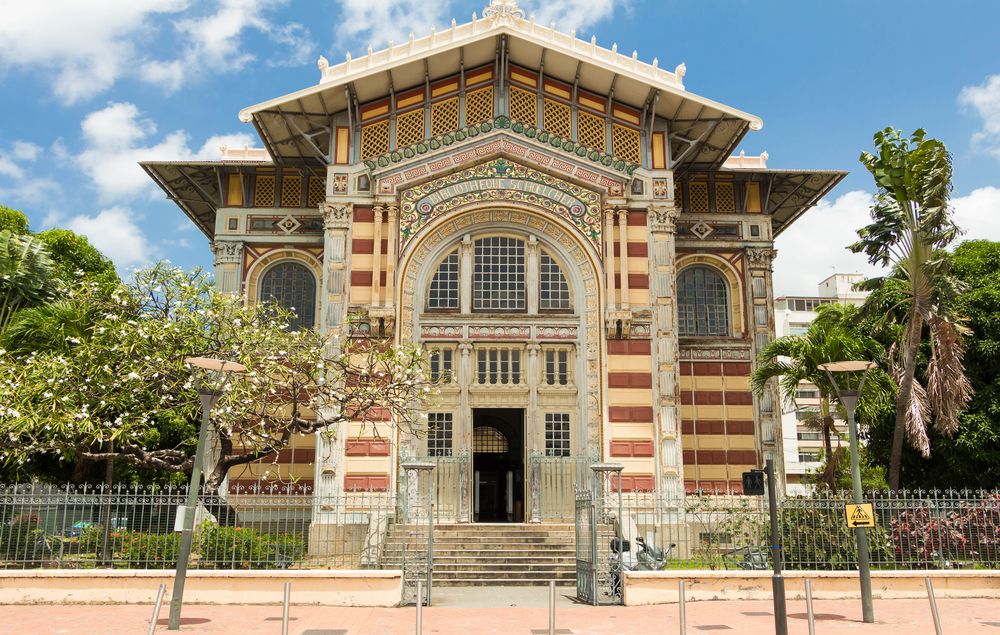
(123, 392)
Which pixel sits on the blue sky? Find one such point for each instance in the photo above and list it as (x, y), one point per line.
(88, 89)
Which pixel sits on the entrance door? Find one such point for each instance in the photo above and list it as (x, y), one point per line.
(498, 464)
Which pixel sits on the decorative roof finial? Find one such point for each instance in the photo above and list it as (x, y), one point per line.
(503, 12)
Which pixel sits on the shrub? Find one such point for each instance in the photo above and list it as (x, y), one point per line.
(963, 532)
(146, 550)
(19, 537)
(245, 548)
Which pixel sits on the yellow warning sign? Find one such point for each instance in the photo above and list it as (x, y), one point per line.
(860, 515)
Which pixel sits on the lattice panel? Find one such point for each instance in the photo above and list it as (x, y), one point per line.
(409, 128)
(263, 191)
(523, 106)
(698, 194)
(625, 143)
(444, 116)
(316, 193)
(590, 130)
(291, 191)
(725, 198)
(557, 118)
(479, 105)
(374, 139)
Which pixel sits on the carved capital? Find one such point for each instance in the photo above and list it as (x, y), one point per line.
(662, 218)
(228, 252)
(382, 320)
(619, 324)
(761, 258)
(393, 211)
(336, 215)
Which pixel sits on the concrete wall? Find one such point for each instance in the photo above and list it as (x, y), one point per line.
(328, 588)
(661, 587)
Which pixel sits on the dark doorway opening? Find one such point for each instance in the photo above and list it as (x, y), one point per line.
(498, 464)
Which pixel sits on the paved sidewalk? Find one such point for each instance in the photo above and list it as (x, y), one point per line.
(895, 617)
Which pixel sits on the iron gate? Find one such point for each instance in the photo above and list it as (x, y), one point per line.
(586, 548)
(598, 540)
(415, 517)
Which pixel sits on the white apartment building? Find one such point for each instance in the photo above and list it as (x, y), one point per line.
(792, 316)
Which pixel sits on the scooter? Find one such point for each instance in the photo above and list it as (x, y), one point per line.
(650, 558)
(647, 558)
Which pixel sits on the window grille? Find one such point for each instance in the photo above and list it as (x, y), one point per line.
(489, 440)
(590, 130)
(441, 365)
(444, 116)
(443, 292)
(316, 193)
(523, 106)
(557, 367)
(498, 274)
(702, 302)
(374, 139)
(557, 434)
(553, 289)
(760, 314)
(725, 198)
(479, 105)
(766, 402)
(292, 286)
(556, 118)
(498, 366)
(291, 191)
(808, 304)
(409, 128)
(439, 434)
(698, 195)
(759, 288)
(625, 143)
(809, 436)
(263, 192)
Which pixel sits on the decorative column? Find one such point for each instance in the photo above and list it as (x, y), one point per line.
(228, 265)
(463, 435)
(609, 256)
(377, 258)
(623, 256)
(329, 480)
(663, 275)
(532, 274)
(465, 271)
(390, 255)
(532, 421)
(768, 416)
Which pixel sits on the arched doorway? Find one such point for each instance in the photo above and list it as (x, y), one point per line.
(498, 464)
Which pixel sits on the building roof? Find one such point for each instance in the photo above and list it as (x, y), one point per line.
(295, 127)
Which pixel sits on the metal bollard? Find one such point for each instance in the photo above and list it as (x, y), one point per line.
(680, 607)
(809, 607)
(552, 607)
(420, 604)
(156, 609)
(934, 611)
(284, 612)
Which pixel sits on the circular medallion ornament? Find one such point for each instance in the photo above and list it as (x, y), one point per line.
(425, 208)
(576, 210)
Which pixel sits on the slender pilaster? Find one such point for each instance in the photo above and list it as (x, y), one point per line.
(377, 258)
(532, 274)
(462, 441)
(609, 256)
(465, 273)
(390, 255)
(623, 255)
(533, 424)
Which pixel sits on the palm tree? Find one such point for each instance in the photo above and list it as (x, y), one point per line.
(54, 327)
(26, 274)
(794, 359)
(911, 225)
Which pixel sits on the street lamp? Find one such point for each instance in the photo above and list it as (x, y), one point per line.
(210, 376)
(853, 374)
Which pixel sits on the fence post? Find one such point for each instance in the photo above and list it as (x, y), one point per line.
(420, 604)
(156, 609)
(934, 611)
(809, 607)
(284, 612)
(681, 616)
(552, 607)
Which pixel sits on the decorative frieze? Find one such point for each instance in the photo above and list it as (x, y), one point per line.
(499, 332)
(724, 354)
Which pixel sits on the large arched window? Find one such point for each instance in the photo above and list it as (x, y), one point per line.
(498, 274)
(702, 302)
(443, 292)
(293, 286)
(553, 291)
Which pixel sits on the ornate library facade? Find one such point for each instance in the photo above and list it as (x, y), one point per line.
(565, 228)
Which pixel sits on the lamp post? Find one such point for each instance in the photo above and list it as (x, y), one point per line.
(215, 374)
(853, 374)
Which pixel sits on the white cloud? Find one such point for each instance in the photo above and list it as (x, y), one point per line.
(375, 22)
(815, 246)
(18, 185)
(115, 233)
(117, 137)
(978, 213)
(574, 14)
(86, 47)
(984, 99)
(25, 150)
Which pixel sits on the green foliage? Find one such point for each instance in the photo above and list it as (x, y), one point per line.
(13, 221)
(19, 536)
(245, 548)
(55, 326)
(76, 259)
(873, 474)
(27, 275)
(146, 550)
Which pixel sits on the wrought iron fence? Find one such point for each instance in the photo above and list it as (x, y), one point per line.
(913, 530)
(554, 480)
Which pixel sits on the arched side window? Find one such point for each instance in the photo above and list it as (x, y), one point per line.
(498, 274)
(489, 440)
(443, 292)
(702, 302)
(553, 290)
(291, 285)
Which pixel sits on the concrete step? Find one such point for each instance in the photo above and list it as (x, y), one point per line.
(542, 583)
(508, 575)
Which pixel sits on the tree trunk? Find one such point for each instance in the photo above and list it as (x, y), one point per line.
(912, 345)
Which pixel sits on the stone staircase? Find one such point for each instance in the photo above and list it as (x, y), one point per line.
(480, 554)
